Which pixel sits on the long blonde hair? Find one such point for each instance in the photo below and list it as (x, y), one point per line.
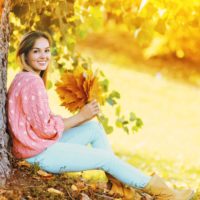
(26, 44)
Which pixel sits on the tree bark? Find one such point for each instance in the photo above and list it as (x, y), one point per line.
(5, 167)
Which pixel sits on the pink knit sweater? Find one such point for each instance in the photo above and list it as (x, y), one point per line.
(30, 122)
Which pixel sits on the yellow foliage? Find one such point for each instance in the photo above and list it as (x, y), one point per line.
(77, 88)
(1, 7)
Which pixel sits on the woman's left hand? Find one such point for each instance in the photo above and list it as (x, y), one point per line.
(90, 110)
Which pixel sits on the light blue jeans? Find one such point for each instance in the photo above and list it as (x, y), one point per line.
(72, 153)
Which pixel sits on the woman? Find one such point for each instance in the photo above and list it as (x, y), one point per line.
(60, 144)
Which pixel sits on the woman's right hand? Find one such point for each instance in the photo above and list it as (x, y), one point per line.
(90, 110)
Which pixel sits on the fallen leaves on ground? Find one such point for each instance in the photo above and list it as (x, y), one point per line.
(31, 183)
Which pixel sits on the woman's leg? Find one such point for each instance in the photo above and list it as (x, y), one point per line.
(66, 157)
(91, 132)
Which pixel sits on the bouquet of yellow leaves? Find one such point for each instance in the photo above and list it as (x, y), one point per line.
(78, 87)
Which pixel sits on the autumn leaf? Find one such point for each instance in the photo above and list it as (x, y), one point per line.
(23, 163)
(55, 191)
(118, 188)
(74, 188)
(44, 174)
(78, 87)
(81, 185)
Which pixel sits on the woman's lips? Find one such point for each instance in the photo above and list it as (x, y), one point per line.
(42, 62)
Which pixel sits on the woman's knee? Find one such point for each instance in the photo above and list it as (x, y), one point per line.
(109, 162)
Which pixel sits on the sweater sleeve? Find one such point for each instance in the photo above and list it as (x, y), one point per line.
(36, 108)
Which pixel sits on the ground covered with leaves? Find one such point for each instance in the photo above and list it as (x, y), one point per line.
(29, 182)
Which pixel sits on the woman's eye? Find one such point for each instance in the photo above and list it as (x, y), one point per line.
(37, 51)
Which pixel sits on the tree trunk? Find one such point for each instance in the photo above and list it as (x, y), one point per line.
(4, 42)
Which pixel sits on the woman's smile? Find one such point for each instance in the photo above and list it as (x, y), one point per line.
(42, 63)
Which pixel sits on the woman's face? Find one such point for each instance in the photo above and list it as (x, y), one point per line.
(39, 56)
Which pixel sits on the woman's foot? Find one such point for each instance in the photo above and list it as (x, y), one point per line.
(159, 189)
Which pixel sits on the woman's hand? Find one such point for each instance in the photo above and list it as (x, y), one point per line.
(86, 113)
(90, 110)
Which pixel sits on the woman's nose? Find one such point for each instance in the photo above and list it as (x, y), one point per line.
(43, 55)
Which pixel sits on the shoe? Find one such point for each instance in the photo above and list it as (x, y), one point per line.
(160, 191)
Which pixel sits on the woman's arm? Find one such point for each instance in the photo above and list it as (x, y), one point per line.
(89, 111)
(35, 106)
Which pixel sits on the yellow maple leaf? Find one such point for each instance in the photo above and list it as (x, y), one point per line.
(78, 87)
